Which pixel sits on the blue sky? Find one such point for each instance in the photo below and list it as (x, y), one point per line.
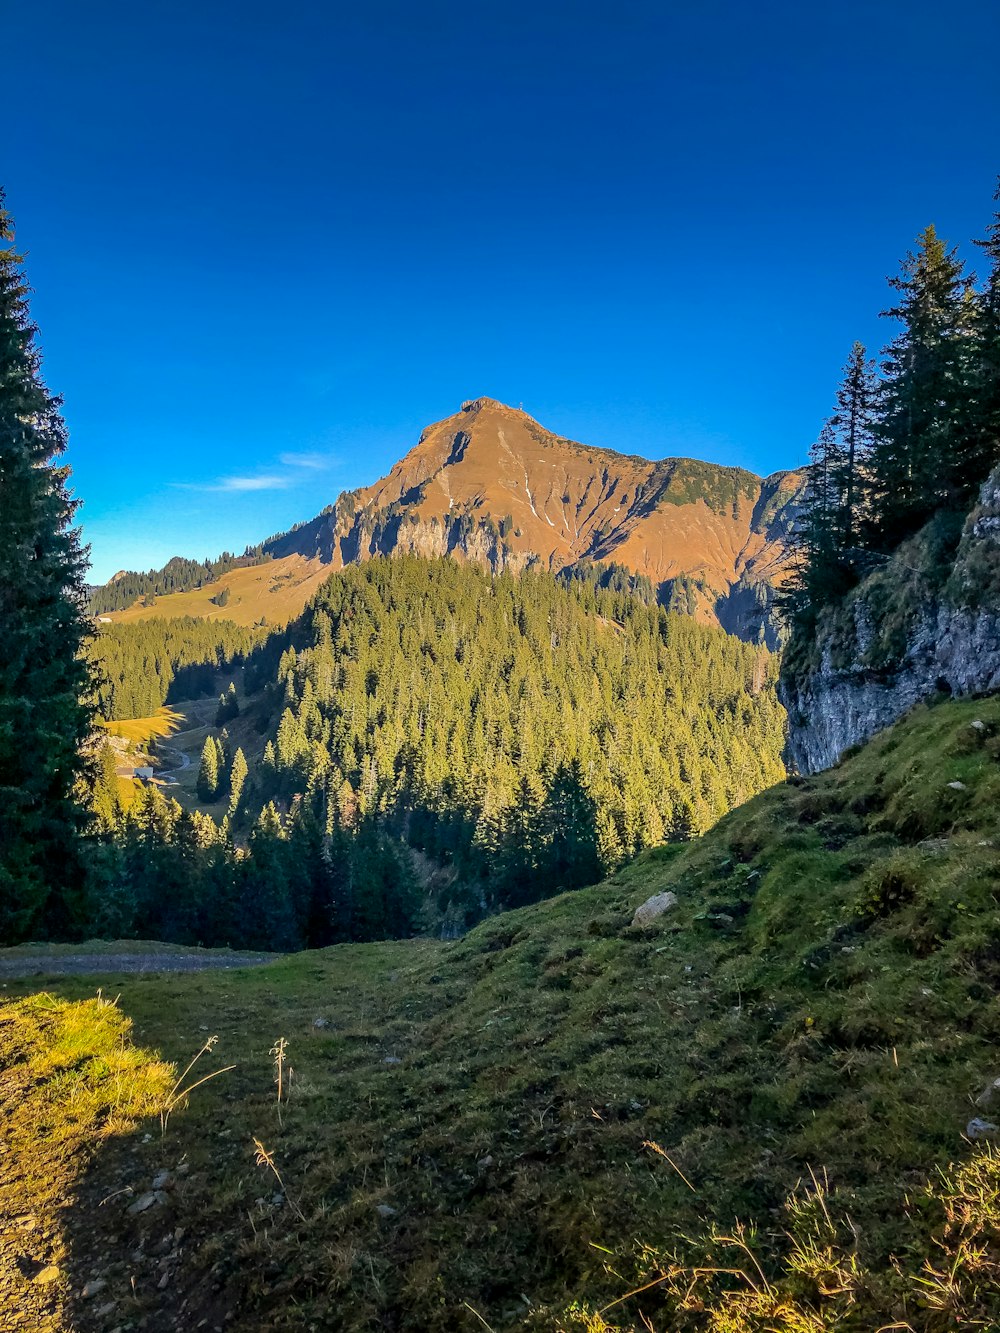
(270, 243)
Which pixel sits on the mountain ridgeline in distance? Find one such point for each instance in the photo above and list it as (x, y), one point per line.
(491, 485)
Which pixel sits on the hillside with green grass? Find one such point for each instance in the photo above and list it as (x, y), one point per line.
(761, 1108)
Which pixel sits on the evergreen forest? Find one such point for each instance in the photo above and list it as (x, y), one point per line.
(439, 742)
(140, 665)
(913, 434)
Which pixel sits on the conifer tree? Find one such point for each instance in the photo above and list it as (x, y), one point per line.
(920, 459)
(43, 677)
(986, 378)
(853, 422)
(208, 772)
(237, 777)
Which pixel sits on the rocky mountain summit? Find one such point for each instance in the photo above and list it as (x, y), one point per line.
(490, 484)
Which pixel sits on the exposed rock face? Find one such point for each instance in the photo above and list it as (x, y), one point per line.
(866, 679)
(490, 484)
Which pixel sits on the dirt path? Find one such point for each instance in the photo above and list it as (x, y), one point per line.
(80, 964)
(185, 761)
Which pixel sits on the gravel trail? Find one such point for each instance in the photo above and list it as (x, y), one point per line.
(80, 964)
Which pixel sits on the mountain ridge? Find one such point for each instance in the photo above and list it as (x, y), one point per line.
(489, 483)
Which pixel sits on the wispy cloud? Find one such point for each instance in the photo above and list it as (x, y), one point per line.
(267, 482)
(314, 462)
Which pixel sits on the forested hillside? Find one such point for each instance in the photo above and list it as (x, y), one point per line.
(177, 575)
(515, 727)
(436, 742)
(137, 663)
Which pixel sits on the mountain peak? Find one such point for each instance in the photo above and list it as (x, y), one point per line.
(476, 405)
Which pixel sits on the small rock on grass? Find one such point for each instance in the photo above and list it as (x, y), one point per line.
(654, 907)
(93, 1288)
(980, 1129)
(48, 1274)
(385, 1210)
(146, 1201)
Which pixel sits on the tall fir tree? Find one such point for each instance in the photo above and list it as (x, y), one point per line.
(208, 772)
(853, 422)
(237, 777)
(922, 436)
(43, 677)
(986, 379)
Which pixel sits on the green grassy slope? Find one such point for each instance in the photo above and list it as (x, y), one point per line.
(466, 1138)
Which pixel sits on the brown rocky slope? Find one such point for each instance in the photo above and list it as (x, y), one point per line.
(492, 485)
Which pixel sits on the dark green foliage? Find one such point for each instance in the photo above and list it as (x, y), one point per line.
(527, 732)
(611, 577)
(177, 575)
(179, 877)
(985, 386)
(229, 706)
(208, 771)
(43, 677)
(922, 458)
(909, 447)
(143, 664)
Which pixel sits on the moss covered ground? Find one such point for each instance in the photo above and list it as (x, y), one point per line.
(519, 1128)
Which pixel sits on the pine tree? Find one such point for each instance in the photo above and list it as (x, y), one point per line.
(920, 456)
(43, 677)
(986, 376)
(208, 772)
(237, 777)
(853, 423)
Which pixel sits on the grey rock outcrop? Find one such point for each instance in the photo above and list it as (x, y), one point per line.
(653, 908)
(951, 643)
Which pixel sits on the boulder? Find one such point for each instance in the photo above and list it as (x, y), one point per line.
(654, 907)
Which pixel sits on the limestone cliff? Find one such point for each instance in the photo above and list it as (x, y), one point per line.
(927, 623)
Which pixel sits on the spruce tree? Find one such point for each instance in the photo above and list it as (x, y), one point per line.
(208, 772)
(237, 777)
(853, 422)
(920, 456)
(43, 678)
(986, 376)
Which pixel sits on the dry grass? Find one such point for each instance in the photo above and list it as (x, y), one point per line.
(140, 730)
(277, 591)
(70, 1080)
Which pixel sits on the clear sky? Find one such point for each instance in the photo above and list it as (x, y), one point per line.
(271, 242)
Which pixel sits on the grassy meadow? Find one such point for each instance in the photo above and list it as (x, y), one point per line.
(757, 1110)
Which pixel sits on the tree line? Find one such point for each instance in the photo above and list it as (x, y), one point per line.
(177, 575)
(527, 732)
(913, 434)
(510, 736)
(141, 665)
